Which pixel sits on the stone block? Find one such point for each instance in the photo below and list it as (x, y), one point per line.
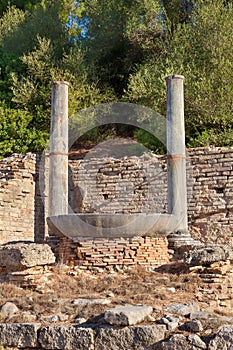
(19, 335)
(183, 309)
(24, 255)
(66, 337)
(127, 315)
(181, 342)
(207, 255)
(194, 326)
(129, 338)
(223, 339)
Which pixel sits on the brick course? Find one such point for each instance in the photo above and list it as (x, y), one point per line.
(118, 185)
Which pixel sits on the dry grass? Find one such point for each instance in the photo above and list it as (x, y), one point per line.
(136, 286)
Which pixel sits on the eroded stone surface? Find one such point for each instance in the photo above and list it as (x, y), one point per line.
(83, 301)
(8, 310)
(194, 326)
(129, 338)
(183, 309)
(171, 321)
(19, 335)
(127, 315)
(66, 337)
(223, 339)
(207, 255)
(181, 342)
(24, 255)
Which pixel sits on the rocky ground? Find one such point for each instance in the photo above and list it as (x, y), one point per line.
(184, 304)
(74, 296)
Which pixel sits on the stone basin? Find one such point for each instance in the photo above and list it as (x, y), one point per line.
(112, 225)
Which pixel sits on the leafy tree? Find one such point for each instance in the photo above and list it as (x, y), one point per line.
(200, 50)
(115, 30)
(114, 50)
(48, 54)
(23, 5)
(17, 134)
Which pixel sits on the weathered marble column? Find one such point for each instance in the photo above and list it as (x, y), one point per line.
(58, 157)
(176, 153)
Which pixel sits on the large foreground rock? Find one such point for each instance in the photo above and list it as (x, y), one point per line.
(24, 255)
(182, 342)
(223, 339)
(127, 315)
(66, 337)
(19, 335)
(129, 338)
(207, 255)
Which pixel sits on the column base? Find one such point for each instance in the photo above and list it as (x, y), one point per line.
(181, 241)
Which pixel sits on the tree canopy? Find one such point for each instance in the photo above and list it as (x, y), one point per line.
(115, 50)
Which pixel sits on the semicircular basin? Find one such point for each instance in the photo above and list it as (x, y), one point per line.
(112, 225)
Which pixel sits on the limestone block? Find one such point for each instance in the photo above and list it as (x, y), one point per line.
(171, 321)
(223, 339)
(24, 255)
(194, 326)
(66, 337)
(127, 315)
(129, 338)
(200, 315)
(183, 309)
(19, 335)
(181, 342)
(8, 310)
(207, 255)
(83, 301)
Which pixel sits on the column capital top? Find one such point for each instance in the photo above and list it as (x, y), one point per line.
(57, 82)
(175, 76)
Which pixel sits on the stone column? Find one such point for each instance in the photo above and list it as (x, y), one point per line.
(58, 157)
(176, 157)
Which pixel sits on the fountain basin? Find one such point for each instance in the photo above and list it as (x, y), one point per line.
(112, 225)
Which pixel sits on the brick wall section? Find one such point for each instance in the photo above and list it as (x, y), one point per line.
(17, 193)
(210, 207)
(120, 185)
(140, 185)
(128, 185)
(146, 251)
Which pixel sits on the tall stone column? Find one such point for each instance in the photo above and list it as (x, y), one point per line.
(176, 158)
(58, 157)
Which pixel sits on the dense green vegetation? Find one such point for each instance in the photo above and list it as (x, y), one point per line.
(115, 50)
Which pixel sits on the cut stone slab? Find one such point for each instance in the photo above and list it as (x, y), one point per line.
(24, 255)
(223, 339)
(19, 335)
(183, 309)
(82, 301)
(66, 337)
(127, 315)
(201, 315)
(207, 255)
(129, 338)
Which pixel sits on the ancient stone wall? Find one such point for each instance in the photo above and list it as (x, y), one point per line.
(128, 185)
(140, 185)
(119, 185)
(210, 207)
(23, 198)
(17, 193)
